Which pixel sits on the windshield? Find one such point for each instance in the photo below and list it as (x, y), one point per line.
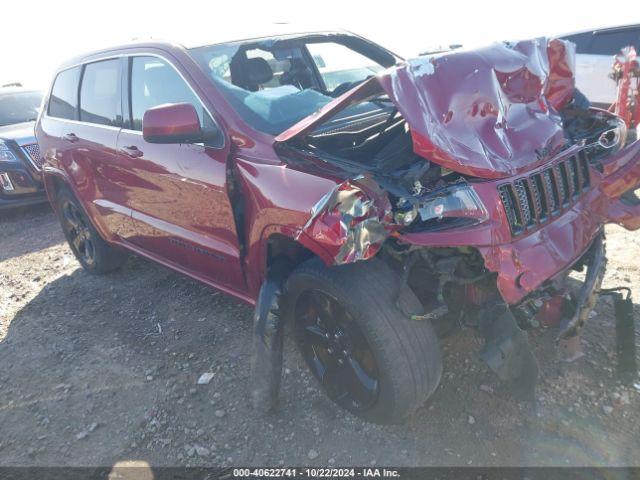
(274, 83)
(19, 107)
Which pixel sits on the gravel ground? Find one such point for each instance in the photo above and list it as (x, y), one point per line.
(99, 370)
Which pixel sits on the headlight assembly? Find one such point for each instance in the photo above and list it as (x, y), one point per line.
(614, 137)
(453, 206)
(607, 141)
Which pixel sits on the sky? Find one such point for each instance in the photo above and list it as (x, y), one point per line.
(61, 29)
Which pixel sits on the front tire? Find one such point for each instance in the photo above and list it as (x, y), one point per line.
(369, 357)
(93, 253)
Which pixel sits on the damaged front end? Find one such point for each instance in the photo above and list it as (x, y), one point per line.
(484, 177)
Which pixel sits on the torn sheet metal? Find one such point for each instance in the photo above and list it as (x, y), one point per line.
(561, 82)
(351, 221)
(485, 112)
(568, 338)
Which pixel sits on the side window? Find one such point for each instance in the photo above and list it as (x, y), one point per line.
(100, 93)
(338, 64)
(582, 41)
(155, 82)
(610, 43)
(63, 102)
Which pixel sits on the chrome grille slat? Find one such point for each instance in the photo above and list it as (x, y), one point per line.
(551, 191)
(576, 174)
(565, 167)
(533, 200)
(523, 201)
(561, 185)
(536, 195)
(512, 208)
(584, 167)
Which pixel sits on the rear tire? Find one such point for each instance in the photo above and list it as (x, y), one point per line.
(93, 253)
(407, 363)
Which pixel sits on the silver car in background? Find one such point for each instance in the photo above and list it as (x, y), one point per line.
(595, 50)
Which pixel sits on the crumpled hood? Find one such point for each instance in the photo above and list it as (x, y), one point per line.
(490, 112)
(21, 133)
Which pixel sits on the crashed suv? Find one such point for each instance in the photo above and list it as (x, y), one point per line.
(367, 202)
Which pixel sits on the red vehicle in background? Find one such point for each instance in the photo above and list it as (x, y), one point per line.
(626, 73)
(359, 197)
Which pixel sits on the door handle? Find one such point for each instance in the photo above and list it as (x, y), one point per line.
(132, 151)
(70, 137)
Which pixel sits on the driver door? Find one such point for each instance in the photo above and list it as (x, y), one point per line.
(178, 196)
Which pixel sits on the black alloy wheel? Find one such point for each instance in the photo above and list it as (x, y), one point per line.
(337, 352)
(93, 253)
(78, 233)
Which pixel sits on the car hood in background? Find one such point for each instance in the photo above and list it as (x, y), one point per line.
(21, 133)
(490, 112)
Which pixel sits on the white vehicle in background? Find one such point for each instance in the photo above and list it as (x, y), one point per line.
(595, 50)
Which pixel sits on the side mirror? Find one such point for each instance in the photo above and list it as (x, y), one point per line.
(172, 123)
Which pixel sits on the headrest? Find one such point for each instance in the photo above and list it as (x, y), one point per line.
(257, 71)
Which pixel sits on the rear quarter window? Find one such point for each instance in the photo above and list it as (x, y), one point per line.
(63, 101)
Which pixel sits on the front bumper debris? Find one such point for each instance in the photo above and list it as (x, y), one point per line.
(507, 351)
(568, 338)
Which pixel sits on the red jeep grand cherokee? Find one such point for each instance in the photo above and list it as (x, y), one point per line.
(362, 198)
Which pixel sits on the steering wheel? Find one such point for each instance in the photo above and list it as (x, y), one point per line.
(299, 75)
(345, 86)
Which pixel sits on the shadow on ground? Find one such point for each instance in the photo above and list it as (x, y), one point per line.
(27, 230)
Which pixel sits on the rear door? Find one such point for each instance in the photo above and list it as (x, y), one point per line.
(178, 192)
(100, 115)
(78, 133)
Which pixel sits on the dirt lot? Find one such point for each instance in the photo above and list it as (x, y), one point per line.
(97, 370)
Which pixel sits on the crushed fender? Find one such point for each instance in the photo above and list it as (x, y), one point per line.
(268, 332)
(350, 222)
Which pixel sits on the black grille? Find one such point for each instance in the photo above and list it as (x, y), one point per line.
(33, 152)
(533, 200)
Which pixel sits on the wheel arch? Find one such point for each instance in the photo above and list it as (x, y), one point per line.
(56, 180)
(278, 242)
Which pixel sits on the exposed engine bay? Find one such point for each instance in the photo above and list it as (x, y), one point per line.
(377, 143)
